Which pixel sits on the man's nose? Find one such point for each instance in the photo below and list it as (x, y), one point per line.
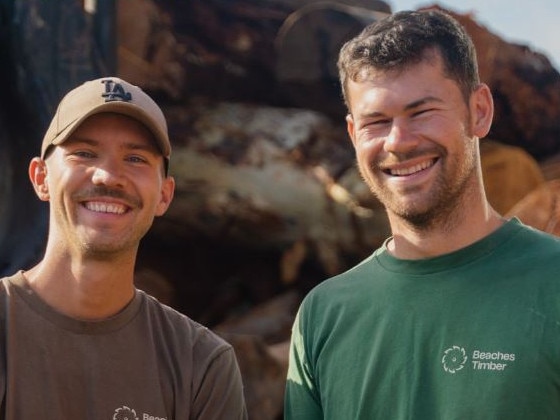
(110, 173)
(400, 138)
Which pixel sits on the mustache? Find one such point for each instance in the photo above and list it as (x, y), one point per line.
(103, 191)
(394, 158)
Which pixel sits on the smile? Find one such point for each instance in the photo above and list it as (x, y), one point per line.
(412, 169)
(101, 207)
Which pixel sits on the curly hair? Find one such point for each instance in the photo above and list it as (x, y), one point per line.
(407, 38)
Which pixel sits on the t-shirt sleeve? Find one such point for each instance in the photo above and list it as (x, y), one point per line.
(301, 398)
(220, 392)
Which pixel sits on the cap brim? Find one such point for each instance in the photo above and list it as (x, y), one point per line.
(123, 108)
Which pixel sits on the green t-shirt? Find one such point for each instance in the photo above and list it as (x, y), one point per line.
(474, 334)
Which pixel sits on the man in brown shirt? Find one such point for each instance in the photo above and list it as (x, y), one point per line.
(77, 339)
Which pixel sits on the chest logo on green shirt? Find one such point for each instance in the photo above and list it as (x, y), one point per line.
(455, 359)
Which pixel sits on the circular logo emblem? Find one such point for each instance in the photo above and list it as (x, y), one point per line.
(125, 413)
(454, 359)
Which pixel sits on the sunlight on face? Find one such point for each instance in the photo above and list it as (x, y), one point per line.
(106, 186)
(412, 134)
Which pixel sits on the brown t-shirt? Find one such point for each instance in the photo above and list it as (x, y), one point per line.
(149, 362)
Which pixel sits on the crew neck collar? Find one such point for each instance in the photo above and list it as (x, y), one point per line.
(465, 255)
(78, 326)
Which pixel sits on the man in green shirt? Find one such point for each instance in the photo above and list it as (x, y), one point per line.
(457, 314)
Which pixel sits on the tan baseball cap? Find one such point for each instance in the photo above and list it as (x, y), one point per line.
(107, 94)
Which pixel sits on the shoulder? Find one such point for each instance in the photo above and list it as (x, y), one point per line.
(534, 242)
(7, 284)
(211, 360)
(176, 326)
(342, 287)
(350, 277)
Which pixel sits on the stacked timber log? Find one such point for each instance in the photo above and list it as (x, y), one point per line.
(269, 201)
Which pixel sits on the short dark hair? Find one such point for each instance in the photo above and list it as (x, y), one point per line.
(406, 38)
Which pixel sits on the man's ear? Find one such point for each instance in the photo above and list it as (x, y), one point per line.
(38, 177)
(482, 110)
(350, 128)
(167, 192)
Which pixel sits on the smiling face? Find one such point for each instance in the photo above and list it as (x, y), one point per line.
(105, 185)
(416, 140)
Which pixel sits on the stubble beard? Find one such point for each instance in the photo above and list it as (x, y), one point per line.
(113, 246)
(108, 251)
(93, 243)
(442, 208)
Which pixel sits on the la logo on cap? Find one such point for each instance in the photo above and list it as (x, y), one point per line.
(115, 92)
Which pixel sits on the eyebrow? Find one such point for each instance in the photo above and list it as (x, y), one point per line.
(409, 106)
(422, 101)
(129, 146)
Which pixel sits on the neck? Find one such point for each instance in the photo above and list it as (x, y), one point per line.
(409, 242)
(84, 289)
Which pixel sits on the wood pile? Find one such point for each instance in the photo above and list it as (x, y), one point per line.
(269, 201)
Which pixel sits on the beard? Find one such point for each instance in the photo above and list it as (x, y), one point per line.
(108, 251)
(446, 201)
(446, 209)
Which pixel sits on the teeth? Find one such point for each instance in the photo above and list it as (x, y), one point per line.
(412, 169)
(105, 207)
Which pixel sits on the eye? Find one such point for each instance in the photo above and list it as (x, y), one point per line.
(377, 123)
(84, 154)
(136, 158)
(421, 112)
